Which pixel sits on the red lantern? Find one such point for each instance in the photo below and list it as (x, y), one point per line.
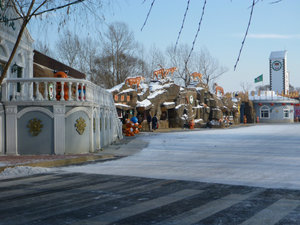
(272, 104)
(292, 103)
(260, 104)
(283, 104)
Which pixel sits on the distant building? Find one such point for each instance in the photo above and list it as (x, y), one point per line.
(272, 108)
(279, 77)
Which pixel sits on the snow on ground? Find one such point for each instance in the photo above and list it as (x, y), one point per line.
(261, 155)
(20, 171)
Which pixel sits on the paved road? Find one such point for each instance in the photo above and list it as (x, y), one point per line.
(176, 182)
(265, 156)
(76, 198)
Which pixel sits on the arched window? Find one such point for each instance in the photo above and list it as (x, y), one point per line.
(265, 112)
(286, 112)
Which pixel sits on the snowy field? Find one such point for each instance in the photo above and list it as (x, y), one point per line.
(261, 155)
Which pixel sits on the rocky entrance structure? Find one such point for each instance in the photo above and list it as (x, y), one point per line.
(175, 106)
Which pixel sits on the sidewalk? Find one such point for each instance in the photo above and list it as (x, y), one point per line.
(125, 147)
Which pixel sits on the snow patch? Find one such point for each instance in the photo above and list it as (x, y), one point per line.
(178, 106)
(127, 90)
(168, 103)
(144, 103)
(20, 171)
(198, 120)
(116, 88)
(198, 107)
(153, 95)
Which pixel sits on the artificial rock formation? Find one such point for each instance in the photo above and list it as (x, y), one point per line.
(173, 105)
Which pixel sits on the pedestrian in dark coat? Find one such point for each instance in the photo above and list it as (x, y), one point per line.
(149, 120)
(154, 122)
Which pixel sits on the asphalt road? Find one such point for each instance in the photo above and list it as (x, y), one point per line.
(74, 198)
(247, 175)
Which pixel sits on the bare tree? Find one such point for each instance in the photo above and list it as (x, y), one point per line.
(246, 86)
(156, 59)
(43, 48)
(209, 67)
(24, 11)
(103, 72)
(69, 49)
(79, 53)
(118, 59)
(180, 58)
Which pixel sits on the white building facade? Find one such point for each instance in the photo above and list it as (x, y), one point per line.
(37, 116)
(279, 77)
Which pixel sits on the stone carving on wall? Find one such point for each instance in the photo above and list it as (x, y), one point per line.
(35, 126)
(80, 125)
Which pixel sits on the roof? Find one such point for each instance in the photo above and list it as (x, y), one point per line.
(46, 61)
(278, 55)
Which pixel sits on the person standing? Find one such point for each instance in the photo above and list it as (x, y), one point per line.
(149, 120)
(154, 122)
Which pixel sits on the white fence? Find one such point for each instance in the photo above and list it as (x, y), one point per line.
(58, 92)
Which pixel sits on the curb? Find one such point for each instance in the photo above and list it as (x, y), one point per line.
(63, 162)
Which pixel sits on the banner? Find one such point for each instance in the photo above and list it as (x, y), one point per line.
(258, 79)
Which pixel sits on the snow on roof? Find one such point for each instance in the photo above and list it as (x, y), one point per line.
(156, 93)
(145, 103)
(116, 88)
(122, 105)
(144, 88)
(127, 90)
(155, 86)
(278, 55)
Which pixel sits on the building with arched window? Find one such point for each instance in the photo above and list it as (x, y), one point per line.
(45, 112)
(271, 108)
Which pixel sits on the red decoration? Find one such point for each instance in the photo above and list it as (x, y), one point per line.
(292, 103)
(283, 104)
(272, 104)
(260, 104)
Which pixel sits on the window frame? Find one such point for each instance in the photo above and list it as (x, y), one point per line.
(263, 110)
(284, 111)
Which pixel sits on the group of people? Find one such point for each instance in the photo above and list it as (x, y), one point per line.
(152, 122)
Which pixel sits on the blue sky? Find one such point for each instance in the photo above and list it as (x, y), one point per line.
(274, 27)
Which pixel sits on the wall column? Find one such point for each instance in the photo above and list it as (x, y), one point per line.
(97, 134)
(11, 130)
(92, 145)
(59, 129)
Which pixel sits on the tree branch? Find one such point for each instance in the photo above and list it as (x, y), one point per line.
(23, 26)
(46, 11)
